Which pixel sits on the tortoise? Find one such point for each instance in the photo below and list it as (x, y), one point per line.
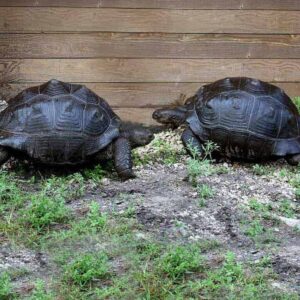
(247, 118)
(59, 123)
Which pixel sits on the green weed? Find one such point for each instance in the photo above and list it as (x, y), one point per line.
(254, 228)
(66, 188)
(44, 211)
(87, 269)
(95, 219)
(5, 286)
(161, 151)
(40, 293)
(296, 100)
(11, 197)
(204, 192)
(286, 208)
(261, 170)
(95, 174)
(178, 261)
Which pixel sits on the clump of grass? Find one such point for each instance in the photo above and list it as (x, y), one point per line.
(260, 170)
(200, 166)
(295, 182)
(230, 281)
(296, 100)
(204, 192)
(254, 228)
(286, 208)
(95, 174)
(87, 269)
(95, 219)
(11, 197)
(40, 292)
(161, 151)
(66, 188)
(5, 286)
(178, 261)
(44, 211)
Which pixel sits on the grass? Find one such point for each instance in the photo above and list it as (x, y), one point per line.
(5, 286)
(296, 100)
(43, 212)
(40, 292)
(87, 268)
(262, 170)
(161, 151)
(109, 255)
(204, 192)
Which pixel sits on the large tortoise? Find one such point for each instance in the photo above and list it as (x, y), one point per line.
(249, 119)
(59, 123)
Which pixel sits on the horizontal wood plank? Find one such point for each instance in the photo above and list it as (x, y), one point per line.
(139, 115)
(140, 95)
(148, 45)
(147, 70)
(169, 4)
(27, 19)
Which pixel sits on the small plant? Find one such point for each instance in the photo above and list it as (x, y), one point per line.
(259, 207)
(149, 250)
(87, 269)
(160, 151)
(202, 167)
(96, 174)
(254, 228)
(64, 188)
(180, 260)
(295, 182)
(259, 170)
(198, 168)
(40, 293)
(10, 195)
(96, 219)
(44, 211)
(286, 208)
(204, 192)
(296, 100)
(208, 148)
(5, 286)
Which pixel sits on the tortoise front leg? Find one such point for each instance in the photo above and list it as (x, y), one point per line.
(191, 143)
(293, 160)
(4, 155)
(122, 158)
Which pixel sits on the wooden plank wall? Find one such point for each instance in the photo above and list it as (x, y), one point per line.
(144, 54)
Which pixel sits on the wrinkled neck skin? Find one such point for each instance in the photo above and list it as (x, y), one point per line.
(173, 117)
(137, 134)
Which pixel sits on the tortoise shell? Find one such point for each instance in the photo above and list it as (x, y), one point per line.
(247, 118)
(58, 123)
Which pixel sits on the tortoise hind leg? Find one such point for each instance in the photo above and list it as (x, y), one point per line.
(293, 160)
(122, 158)
(191, 143)
(4, 155)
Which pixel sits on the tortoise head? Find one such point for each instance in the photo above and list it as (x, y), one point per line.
(137, 134)
(170, 116)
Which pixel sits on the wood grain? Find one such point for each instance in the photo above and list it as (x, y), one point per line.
(147, 70)
(169, 4)
(27, 19)
(148, 45)
(140, 95)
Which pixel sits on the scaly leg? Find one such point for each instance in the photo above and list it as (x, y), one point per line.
(191, 143)
(122, 157)
(293, 159)
(4, 155)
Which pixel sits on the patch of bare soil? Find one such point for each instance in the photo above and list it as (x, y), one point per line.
(167, 206)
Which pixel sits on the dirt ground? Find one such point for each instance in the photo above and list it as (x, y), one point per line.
(167, 205)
